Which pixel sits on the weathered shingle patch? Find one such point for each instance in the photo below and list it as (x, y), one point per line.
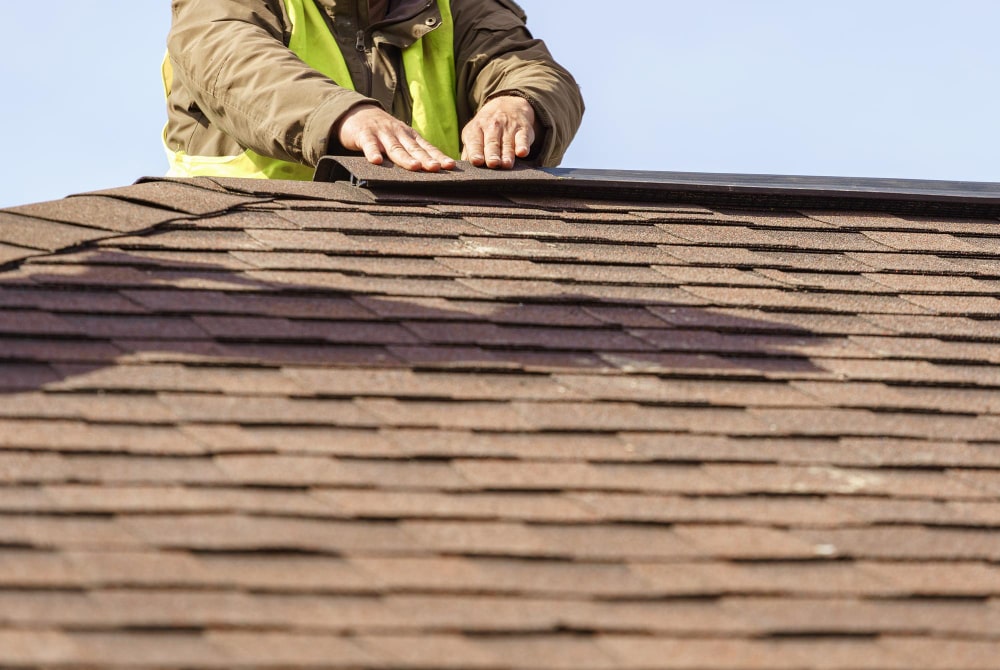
(252, 424)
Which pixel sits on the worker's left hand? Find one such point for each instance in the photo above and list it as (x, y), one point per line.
(502, 131)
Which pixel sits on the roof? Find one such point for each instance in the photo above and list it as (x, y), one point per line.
(303, 425)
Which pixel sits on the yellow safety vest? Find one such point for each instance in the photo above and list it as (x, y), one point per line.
(429, 64)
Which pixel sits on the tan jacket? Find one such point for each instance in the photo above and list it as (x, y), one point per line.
(237, 86)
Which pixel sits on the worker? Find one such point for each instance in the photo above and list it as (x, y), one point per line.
(265, 88)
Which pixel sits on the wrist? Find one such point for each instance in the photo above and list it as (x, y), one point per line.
(530, 110)
(340, 138)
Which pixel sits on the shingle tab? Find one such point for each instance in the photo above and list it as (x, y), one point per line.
(98, 212)
(40, 234)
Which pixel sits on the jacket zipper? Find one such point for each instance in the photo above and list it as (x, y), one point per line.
(364, 37)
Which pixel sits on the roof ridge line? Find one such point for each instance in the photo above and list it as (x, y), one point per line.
(757, 191)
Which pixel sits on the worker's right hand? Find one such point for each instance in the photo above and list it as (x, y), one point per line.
(370, 129)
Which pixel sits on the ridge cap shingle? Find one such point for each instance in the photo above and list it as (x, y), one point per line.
(761, 191)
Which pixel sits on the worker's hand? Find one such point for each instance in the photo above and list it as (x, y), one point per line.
(502, 131)
(370, 129)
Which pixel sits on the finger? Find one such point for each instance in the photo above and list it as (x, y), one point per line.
(508, 156)
(493, 144)
(371, 147)
(523, 141)
(432, 158)
(394, 141)
(427, 161)
(474, 145)
(397, 152)
(446, 161)
(401, 157)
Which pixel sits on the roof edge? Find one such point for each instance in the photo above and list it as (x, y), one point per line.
(909, 196)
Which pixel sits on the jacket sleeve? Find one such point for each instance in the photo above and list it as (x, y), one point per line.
(231, 57)
(496, 55)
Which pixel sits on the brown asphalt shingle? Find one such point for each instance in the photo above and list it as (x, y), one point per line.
(264, 424)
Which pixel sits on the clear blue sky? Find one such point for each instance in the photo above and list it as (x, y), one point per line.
(883, 88)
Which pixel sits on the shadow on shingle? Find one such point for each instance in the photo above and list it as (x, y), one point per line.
(135, 308)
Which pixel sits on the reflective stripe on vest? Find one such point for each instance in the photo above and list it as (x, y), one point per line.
(429, 64)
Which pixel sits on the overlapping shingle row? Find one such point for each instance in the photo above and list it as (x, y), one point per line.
(304, 425)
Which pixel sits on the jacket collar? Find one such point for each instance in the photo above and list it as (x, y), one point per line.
(406, 22)
(397, 11)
